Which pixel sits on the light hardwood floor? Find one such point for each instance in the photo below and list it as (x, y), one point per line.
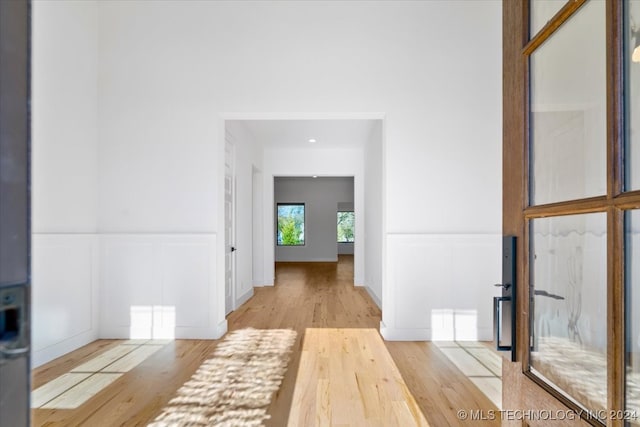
(348, 378)
(306, 295)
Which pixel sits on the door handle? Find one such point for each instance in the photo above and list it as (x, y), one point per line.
(504, 316)
(497, 315)
(12, 353)
(233, 249)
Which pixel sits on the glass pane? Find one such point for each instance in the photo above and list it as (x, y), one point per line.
(632, 96)
(632, 220)
(346, 227)
(291, 225)
(540, 12)
(568, 110)
(569, 292)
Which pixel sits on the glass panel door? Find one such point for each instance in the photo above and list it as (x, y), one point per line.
(568, 259)
(568, 110)
(632, 359)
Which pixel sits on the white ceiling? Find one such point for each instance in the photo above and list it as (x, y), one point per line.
(296, 133)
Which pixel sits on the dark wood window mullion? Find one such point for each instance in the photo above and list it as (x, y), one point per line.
(615, 221)
(629, 200)
(571, 207)
(525, 292)
(615, 315)
(554, 23)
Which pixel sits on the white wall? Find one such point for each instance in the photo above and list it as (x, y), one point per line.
(321, 162)
(64, 116)
(374, 208)
(170, 71)
(321, 197)
(64, 156)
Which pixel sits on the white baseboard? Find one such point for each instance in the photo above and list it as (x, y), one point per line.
(374, 297)
(124, 333)
(47, 354)
(244, 298)
(310, 260)
(424, 334)
(221, 329)
(485, 334)
(395, 334)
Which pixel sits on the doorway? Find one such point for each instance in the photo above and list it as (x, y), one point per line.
(279, 146)
(313, 218)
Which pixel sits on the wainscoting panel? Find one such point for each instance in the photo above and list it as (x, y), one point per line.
(187, 266)
(440, 287)
(158, 286)
(130, 279)
(64, 294)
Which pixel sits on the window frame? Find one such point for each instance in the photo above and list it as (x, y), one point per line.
(354, 225)
(304, 221)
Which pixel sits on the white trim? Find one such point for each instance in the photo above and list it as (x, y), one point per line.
(124, 332)
(47, 354)
(303, 116)
(374, 297)
(424, 334)
(221, 329)
(393, 334)
(243, 298)
(312, 260)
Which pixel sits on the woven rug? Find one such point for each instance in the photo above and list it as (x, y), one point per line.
(235, 386)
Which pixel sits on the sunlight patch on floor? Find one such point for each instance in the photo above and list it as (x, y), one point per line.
(74, 388)
(480, 364)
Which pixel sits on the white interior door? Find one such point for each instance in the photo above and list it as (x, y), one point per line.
(229, 227)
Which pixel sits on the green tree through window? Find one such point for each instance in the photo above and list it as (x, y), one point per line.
(346, 227)
(291, 224)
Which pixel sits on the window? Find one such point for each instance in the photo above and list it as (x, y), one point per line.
(290, 224)
(346, 227)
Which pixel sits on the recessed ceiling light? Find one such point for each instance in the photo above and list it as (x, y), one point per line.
(314, 176)
(312, 141)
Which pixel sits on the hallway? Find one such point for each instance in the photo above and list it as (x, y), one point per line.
(306, 295)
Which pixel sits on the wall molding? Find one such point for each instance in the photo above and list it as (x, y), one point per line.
(373, 296)
(243, 298)
(425, 334)
(153, 282)
(65, 287)
(221, 329)
(439, 285)
(44, 355)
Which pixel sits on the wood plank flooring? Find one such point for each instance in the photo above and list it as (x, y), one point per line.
(347, 378)
(306, 295)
